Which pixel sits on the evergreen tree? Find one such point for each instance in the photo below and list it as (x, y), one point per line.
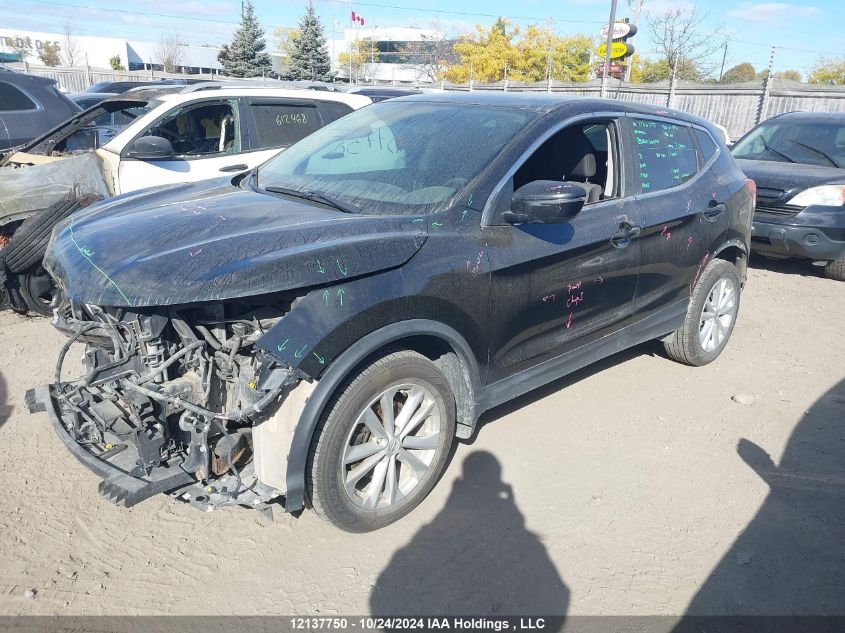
(310, 57)
(245, 56)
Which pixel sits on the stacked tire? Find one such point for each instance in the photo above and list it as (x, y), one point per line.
(28, 285)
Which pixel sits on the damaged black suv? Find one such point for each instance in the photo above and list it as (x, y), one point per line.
(319, 330)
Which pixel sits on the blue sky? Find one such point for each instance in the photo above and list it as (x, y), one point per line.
(801, 30)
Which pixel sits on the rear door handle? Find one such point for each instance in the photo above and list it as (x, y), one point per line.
(625, 234)
(238, 167)
(714, 210)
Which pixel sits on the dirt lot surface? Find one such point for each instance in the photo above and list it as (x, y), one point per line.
(637, 486)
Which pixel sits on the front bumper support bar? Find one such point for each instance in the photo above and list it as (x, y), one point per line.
(118, 486)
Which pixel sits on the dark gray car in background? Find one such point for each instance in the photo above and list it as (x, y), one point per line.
(797, 161)
(29, 106)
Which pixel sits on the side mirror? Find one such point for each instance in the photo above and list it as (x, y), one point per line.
(546, 202)
(151, 148)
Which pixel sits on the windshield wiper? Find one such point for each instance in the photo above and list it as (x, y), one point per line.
(314, 197)
(816, 151)
(774, 151)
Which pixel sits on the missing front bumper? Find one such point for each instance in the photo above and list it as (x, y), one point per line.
(124, 489)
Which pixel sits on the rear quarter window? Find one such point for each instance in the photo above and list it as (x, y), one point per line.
(12, 99)
(666, 154)
(706, 145)
(280, 125)
(332, 110)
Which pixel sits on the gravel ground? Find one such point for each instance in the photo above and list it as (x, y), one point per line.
(637, 486)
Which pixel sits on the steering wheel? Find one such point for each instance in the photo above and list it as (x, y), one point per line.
(456, 183)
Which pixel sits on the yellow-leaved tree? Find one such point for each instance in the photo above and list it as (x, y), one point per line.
(484, 54)
(527, 56)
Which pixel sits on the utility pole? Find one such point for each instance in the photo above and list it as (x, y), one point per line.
(550, 25)
(638, 8)
(724, 56)
(763, 108)
(608, 44)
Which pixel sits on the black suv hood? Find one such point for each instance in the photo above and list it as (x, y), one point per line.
(782, 176)
(211, 240)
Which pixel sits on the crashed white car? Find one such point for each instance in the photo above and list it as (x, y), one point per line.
(144, 138)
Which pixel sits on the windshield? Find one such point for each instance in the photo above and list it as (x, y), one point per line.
(790, 141)
(395, 157)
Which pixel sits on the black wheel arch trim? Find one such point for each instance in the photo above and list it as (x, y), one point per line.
(339, 371)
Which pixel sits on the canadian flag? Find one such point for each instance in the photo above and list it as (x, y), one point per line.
(357, 18)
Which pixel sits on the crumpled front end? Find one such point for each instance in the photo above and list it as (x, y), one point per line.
(170, 398)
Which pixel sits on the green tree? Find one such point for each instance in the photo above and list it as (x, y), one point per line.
(649, 71)
(739, 73)
(792, 75)
(49, 54)
(828, 71)
(115, 63)
(309, 55)
(245, 56)
(357, 60)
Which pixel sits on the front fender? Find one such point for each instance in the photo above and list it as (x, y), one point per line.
(340, 369)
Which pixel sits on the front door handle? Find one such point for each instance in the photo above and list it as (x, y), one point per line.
(714, 210)
(238, 167)
(625, 234)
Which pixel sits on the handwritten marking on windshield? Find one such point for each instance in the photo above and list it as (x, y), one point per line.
(320, 268)
(283, 345)
(666, 232)
(416, 220)
(298, 353)
(689, 242)
(436, 225)
(195, 253)
(320, 359)
(464, 215)
(326, 296)
(343, 270)
(340, 293)
(569, 321)
(549, 298)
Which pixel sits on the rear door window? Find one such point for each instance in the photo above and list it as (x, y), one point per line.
(332, 110)
(281, 123)
(665, 154)
(12, 99)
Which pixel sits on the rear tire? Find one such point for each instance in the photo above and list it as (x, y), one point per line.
(367, 469)
(37, 289)
(836, 269)
(710, 319)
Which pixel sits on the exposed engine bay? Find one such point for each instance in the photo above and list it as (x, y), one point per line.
(171, 397)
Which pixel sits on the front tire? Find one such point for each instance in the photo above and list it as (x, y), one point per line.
(711, 316)
(382, 443)
(836, 269)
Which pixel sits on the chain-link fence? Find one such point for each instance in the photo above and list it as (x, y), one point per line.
(738, 107)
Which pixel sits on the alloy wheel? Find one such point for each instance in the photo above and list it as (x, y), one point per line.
(391, 446)
(718, 315)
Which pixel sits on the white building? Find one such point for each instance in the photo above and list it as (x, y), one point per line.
(388, 57)
(97, 51)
